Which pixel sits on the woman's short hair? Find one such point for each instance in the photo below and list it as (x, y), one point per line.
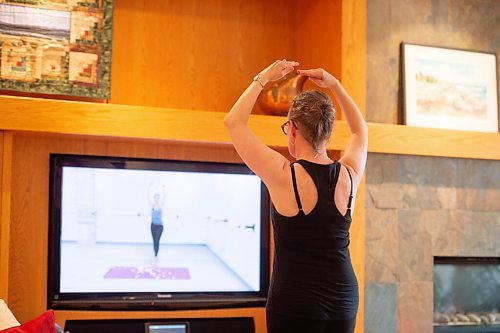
(314, 113)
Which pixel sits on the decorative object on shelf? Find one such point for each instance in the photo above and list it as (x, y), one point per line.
(276, 98)
(56, 46)
(450, 88)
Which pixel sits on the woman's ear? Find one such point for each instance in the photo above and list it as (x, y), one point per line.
(293, 129)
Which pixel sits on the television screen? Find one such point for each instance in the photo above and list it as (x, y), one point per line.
(134, 233)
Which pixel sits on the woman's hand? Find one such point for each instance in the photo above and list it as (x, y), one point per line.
(277, 70)
(319, 76)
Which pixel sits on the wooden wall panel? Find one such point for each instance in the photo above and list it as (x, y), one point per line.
(353, 63)
(4, 230)
(353, 78)
(2, 133)
(318, 34)
(195, 54)
(5, 196)
(318, 37)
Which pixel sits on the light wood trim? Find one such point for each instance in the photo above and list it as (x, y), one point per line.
(53, 116)
(357, 250)
(407, 140)
(40, 115)
(353, 78)
(6, 176)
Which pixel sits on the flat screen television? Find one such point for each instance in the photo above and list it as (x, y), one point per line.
(128, 233)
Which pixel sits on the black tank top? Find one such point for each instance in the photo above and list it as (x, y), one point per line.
(313, 275)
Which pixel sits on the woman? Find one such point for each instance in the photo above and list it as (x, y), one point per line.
(156, 218)
(313, 286)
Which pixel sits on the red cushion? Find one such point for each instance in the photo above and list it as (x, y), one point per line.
(44, 323)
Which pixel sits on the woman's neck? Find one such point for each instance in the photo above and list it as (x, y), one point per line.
(308, 153)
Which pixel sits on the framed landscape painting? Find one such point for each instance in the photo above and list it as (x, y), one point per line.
(56, 46)
(450, 88)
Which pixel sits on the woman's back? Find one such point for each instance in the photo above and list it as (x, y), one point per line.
(313, 276)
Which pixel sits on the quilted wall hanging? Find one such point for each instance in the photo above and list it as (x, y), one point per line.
(56, 46)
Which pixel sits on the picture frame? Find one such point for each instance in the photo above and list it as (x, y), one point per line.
(56, 47)
(449, 88)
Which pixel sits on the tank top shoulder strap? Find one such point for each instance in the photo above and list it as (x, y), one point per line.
(334, 173)
(295, 189)
(349, 203)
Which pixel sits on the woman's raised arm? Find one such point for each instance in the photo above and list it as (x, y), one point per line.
(263, 161)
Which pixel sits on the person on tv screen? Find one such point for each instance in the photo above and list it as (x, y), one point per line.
(156, 218)
(313, 287)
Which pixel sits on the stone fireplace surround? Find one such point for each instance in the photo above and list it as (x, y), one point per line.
(418, 208)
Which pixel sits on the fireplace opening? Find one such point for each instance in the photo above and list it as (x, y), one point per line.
(466, 294)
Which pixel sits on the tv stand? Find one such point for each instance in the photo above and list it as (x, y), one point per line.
(196, 325)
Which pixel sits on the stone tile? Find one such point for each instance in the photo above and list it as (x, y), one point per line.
(409, 22)
(415, 259)
(395, 95)
(479, 199)
(415, 307)
(478, 233)
(379, 104)
(369, 202)
(480, 174)
(385, 196)
(374, 169)
(431, 171)
(380, 308)
(447, 197)
(443, 231)
(407, 194)
(480, 19)
(381, 245)
(415, 170)
(378, 28)
(409, 222)
(479, 184)
(382, 168)
(418, 197)
(444, 171)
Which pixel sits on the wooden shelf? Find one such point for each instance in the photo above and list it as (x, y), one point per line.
(99, 119)
(407, 140)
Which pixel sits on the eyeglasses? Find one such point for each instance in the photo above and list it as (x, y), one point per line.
(284, 127)
(286, 124)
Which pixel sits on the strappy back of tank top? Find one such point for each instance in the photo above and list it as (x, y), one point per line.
(325, 183)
